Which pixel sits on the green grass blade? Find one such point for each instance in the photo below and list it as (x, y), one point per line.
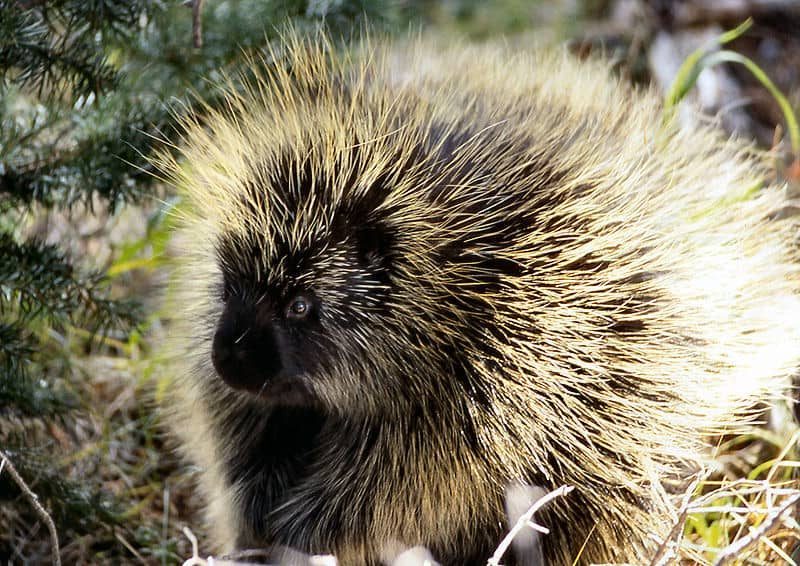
(693, 66)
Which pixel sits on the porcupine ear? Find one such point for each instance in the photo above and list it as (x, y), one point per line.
(374, 244)
(374, 236)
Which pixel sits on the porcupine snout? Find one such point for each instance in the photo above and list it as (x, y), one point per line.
(245, 351)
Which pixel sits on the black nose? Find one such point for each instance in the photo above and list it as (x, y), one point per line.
(245, 355)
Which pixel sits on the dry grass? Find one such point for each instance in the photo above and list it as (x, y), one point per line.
(749, 519)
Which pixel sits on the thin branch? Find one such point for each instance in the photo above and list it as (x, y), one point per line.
(5, 462)
(526, 521)
(197, 24)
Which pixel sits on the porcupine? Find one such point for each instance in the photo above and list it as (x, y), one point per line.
(412, 276)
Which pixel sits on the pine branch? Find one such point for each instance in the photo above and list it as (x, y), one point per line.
(58, 47)
(19, 393)
(30, 56)
(36, 281)
(106, 156)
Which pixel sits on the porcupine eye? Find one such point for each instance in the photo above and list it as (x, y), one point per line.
(299, 308)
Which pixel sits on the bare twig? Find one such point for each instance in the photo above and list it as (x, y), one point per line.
(5, 463)
(661, 556)
(526, 521)
(197, 24)
(733, 550)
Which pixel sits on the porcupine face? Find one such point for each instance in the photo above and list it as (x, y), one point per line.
(302, 298)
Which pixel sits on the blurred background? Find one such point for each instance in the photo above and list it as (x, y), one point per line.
(90, 89)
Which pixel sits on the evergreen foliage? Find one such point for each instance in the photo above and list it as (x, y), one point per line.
(87, 90)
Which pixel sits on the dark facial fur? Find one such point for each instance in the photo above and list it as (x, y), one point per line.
(406, 290)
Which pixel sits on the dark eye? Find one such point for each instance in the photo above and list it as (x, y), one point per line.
(299, 308)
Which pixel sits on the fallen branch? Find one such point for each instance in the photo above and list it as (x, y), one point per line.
(526, 520)
(5, 463)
